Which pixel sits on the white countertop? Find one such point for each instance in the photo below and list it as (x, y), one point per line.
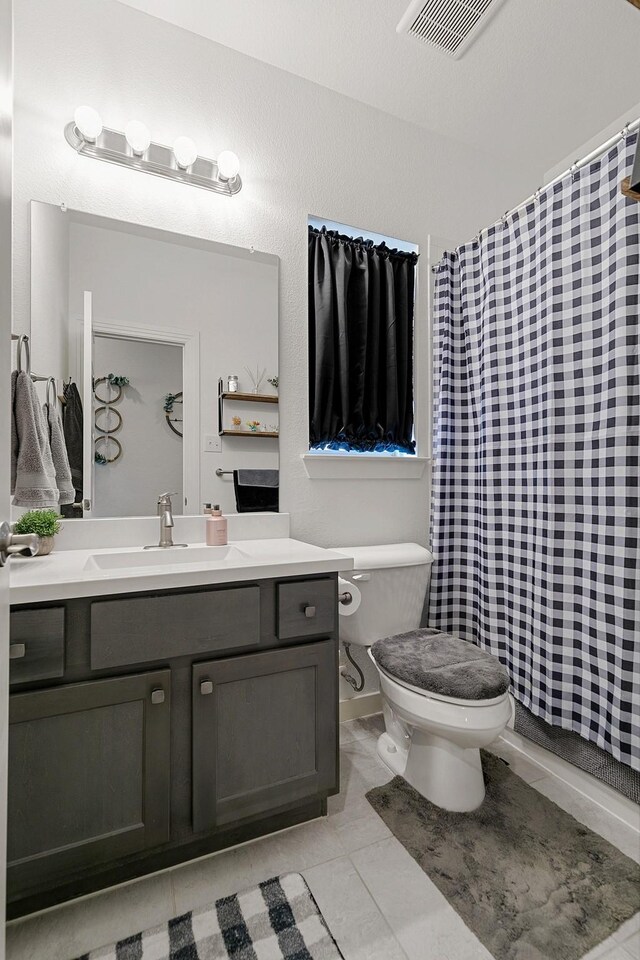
(76, 573)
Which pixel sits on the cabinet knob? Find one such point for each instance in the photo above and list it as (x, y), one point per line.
(309, 611)
(17, 651)
(206, 687)
(157, 696)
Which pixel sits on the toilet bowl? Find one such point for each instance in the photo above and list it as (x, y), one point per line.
(431, 739)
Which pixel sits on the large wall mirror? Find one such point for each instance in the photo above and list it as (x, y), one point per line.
(142, 329)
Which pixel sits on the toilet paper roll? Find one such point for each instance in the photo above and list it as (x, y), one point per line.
(347, 609)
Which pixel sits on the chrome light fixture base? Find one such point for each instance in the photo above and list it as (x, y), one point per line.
(158, 160)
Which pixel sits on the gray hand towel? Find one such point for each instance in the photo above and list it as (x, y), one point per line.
(14, 431)
(66, 490)
(34, 484)
(258, 478)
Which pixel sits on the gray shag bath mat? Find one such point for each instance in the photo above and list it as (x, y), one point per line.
(277, 920)
(529, 880)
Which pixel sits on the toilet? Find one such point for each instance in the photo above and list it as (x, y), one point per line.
(442, 697)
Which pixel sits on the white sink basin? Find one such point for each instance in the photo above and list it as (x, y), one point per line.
(229, 555)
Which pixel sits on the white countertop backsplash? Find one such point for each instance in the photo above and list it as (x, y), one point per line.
(137, 531)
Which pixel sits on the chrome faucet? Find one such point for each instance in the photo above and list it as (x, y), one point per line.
(165, 512)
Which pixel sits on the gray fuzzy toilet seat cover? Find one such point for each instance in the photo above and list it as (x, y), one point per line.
(441, 663)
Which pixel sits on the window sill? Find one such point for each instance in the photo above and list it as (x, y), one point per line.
(363, 466)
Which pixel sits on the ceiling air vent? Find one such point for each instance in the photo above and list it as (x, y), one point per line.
(450, 25)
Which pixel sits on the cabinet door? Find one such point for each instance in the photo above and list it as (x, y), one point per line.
(89, 775)
(264, 732)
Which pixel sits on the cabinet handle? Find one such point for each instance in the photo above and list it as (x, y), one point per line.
(309, 611)
(17, 651)
(157, 696)
(206, 687)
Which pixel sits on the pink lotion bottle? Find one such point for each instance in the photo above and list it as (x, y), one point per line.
(216, 528)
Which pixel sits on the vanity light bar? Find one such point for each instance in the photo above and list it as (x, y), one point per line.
(101, 143)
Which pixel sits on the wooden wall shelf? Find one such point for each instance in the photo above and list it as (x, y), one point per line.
(251, 397)
(249, 433)
(243, 398)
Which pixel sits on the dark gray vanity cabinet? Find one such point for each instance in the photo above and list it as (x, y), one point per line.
(89, 775)
(151, 728)
(264, 731)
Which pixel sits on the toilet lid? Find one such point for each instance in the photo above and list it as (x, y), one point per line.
(441, 664)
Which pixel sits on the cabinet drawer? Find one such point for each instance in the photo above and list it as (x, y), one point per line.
(36, 646)
(139, 629)
(306, 608)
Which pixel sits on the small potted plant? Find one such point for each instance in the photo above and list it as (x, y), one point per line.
(236, 422)
(254, 425)
(46, 523)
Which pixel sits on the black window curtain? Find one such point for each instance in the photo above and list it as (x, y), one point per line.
(361, 308)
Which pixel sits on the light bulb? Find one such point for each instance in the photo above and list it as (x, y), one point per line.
(185, 152)
(228, 165)
(88, 122)
(138, 137)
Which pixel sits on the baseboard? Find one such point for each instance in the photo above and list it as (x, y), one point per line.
(582, 782)
(364, 706)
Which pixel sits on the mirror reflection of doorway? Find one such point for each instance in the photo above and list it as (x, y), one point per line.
(151, 457)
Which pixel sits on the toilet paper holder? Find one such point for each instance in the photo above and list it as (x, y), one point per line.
(345, 598)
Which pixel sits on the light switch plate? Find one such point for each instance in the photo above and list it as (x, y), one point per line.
(212, 444)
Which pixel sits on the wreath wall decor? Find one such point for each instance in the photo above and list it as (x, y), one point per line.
(112, 380)
(105, 441)
(103, 444)
(107, 412)
(169, 401)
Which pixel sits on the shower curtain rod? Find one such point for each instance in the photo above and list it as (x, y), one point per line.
(626, 130)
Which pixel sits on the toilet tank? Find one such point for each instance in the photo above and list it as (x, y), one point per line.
(392, 579)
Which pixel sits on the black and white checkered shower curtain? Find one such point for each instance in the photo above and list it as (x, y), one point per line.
(535, 503)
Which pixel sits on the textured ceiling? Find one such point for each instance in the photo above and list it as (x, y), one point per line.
(539, 80)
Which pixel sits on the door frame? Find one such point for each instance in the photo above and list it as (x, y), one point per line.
(190, 343)
(6, 303)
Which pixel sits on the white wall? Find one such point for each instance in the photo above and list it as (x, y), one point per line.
(304, 149)
(596, 140)
(151, 459)
(230, 301)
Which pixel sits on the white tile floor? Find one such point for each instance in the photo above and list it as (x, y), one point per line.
(377, 901)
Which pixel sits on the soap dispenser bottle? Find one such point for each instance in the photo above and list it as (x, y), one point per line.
(216, 528)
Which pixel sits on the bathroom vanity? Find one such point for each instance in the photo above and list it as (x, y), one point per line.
(159, 714)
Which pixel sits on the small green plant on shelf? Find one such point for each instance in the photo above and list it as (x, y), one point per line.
(254, 425)
(46, 523)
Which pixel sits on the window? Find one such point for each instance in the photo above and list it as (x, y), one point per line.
(361, 319)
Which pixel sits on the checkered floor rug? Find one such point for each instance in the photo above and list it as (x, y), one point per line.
(277, 920)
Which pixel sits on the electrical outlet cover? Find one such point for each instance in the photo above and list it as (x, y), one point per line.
(212, 444)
